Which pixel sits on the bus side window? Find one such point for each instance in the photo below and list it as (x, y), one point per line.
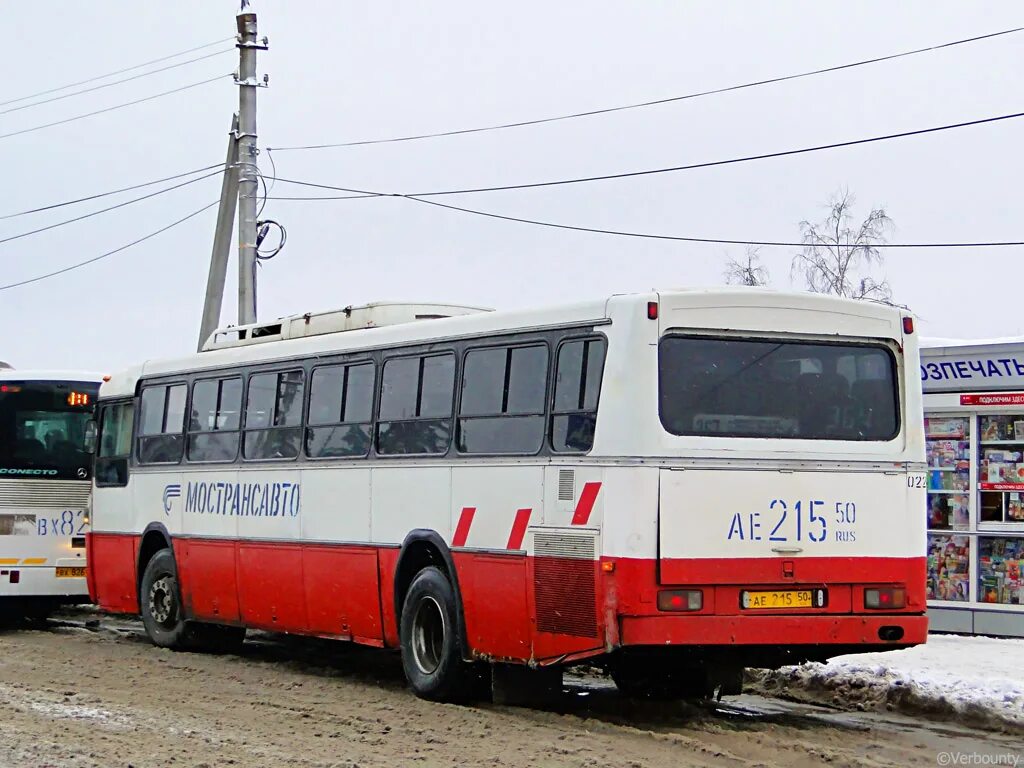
(416, 405)
(161, 424)
(577, 388)
(502, 404)
(214, 421)
(115, 445)
(340, 411)
(273, 415)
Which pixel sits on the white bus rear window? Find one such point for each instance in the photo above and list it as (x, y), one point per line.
(719, 387)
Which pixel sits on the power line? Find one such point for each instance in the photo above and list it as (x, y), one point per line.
(111, 192)
(116, 106)
(361, 194)
(112, 74)
(115, 82)
(620, 108)
(681, 238)
(94, 259)
(108, 209)
(649, 172)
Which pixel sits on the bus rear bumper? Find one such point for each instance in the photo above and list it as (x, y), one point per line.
(892, 630)
(41, 581)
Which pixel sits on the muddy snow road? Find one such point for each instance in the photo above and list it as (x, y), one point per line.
(88, 690)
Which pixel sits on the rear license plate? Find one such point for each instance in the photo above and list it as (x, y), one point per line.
(783, 598)
(71, 573)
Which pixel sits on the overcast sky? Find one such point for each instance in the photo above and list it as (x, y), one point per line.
(352, 70)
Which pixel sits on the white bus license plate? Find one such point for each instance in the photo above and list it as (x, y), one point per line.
(75, 572)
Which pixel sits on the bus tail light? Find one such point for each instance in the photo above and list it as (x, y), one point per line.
(652, 310)
(885, 597)
(15, 577)
(908, 325)
(680, 600)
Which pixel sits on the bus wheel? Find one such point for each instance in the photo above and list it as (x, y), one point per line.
(160, 602)
(431, 652)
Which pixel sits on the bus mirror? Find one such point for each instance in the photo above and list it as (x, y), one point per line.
(91, 433)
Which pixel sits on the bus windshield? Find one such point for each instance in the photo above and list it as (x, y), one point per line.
(42, 429)
(769, 388)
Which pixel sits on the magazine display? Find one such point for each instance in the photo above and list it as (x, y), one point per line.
(948, 575)
(1000, 562)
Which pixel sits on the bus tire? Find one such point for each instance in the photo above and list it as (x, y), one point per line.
(160, 603)
(429, 634)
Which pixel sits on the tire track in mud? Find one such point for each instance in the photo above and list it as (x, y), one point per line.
(88, 690)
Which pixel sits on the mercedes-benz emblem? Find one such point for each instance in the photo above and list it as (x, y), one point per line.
(83, 473)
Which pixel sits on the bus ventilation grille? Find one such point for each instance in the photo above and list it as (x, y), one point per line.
(566, 485)
(563, 584)
(73, 494)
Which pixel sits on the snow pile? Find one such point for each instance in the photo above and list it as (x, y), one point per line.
(975, 679)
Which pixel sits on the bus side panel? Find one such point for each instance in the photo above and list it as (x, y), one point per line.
(340, 579)
(206, 573)
(492, 506)
(494, 602)
(387, 564)
(114, 580)
(342, 592)
(270, 586)
(564, 627)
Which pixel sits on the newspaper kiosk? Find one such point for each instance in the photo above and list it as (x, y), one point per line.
(974, 429)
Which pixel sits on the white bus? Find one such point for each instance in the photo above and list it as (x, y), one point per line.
(45, 481)
(676, 485)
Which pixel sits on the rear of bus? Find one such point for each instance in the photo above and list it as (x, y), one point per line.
(45, 479)
(789, 445)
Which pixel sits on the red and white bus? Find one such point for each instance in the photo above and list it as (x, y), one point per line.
(676, 485)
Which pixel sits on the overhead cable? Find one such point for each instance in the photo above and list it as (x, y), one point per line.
(94, 259)
(356, 194)
(362, 194)
(108, 209)
(642, 104)
(116, 106)
(117, 72)
(687, 239)
(115, 82)
(109, 193)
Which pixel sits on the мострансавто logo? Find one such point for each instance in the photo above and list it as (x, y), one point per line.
(282, 499)
(171, 492)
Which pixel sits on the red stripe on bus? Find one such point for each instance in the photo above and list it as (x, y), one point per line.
(462, 529)
(581, 516)
(515, 538)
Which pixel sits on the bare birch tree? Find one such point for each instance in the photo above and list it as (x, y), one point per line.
(747, 271)
(837, 256)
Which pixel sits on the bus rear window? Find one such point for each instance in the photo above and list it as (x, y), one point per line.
(725, 387)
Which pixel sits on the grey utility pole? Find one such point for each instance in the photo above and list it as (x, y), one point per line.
(248, 186)
(221, 239)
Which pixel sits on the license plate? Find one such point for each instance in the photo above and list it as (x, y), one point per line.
(71, 573)
(783, 598)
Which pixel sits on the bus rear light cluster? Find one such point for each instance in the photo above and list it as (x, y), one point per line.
(882, 598)
(680, 600)
(908, 325)
(15, 577)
